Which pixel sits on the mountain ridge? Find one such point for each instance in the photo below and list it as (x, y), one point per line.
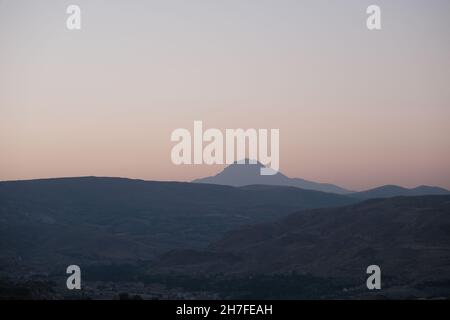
(239, 175)
(58, 219)
(388, 191)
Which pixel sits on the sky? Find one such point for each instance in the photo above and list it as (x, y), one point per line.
(354, 107)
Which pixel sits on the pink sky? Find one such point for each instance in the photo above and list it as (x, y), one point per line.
(354, 108)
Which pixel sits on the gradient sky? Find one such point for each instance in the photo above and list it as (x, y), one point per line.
(354, 107)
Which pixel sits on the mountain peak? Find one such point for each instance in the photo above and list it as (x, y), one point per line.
(248, 172)
(248, 161)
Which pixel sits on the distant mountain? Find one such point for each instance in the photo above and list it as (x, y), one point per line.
(249, 174)
(91, 219)
(408, 237)
(394, 191)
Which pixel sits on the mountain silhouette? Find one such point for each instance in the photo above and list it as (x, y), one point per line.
(388, 191)
(97, 219)
(249, 174)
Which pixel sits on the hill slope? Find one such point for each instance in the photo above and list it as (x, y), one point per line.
(111, 219)
(408, 237)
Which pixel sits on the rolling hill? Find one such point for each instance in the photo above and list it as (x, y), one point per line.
(408, 237)
(388, 191)
(91, 219)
